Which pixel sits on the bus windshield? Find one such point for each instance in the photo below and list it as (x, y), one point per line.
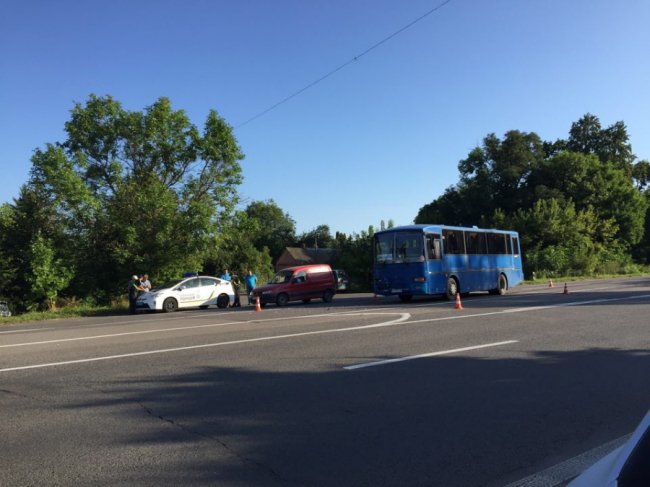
(399, 247)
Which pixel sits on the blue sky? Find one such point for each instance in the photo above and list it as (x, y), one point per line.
(378, 139)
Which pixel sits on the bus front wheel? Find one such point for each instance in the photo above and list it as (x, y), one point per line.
(452, 289)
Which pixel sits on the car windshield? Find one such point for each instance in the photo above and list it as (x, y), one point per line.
(168, 284)
(280, 277)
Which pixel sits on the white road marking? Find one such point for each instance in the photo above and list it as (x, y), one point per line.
(425, 355)
(25, 331)
(570, 468)
(403, 317)
(182, 328)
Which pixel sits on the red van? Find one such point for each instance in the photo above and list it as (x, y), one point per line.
(300, 283)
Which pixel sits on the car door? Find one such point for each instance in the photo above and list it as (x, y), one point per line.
(208, 290)
(189, 293)
(299, 286)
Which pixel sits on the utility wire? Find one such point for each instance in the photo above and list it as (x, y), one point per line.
(336, 70)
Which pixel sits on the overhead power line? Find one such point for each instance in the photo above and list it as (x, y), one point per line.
(336, 70)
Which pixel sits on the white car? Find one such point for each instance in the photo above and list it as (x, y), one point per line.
(627, 466)
(189, 292)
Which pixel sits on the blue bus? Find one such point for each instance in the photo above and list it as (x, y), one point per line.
(422, 260)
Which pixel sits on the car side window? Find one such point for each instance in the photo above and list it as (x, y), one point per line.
(206, 281)
(191, 283)
(300, 277)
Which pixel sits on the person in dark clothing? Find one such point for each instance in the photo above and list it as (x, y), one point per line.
(235, 287)
(134, 289)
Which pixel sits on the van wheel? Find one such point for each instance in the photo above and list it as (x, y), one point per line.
(282, 300)
(170, 305)
(328, 296)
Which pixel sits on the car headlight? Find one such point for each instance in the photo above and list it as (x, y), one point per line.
(266, 292)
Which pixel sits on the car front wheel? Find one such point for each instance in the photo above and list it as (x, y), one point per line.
(282, 300)
(170, 305)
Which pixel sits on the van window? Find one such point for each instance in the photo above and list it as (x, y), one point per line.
(280, 277)
(300, 276)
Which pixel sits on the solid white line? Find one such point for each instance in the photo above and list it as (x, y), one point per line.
(569, 468)
(403, 317)
(24, 331)
(181, 328)
(425, 355)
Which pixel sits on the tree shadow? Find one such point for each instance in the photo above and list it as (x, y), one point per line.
(447, 420)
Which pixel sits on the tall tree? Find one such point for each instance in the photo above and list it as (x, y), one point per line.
(320, 237)
(138, 191)
(275, 229)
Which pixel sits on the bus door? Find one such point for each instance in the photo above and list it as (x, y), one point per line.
(435, 276)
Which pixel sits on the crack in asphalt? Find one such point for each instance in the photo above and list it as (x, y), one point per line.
(220, 442)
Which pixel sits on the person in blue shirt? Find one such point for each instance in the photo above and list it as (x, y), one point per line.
(251, 281)
(226, 276)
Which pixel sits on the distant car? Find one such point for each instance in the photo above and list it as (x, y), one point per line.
(300, 283)
(342, 281)
(189, 292)
(627, 466)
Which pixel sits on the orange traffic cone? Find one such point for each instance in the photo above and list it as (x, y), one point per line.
(550, 283)
(566, 289)
(458, 305)
(257, 304)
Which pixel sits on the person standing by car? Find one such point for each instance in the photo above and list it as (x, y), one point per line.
(226, 276)
(236, 284)
(134, 289)
(145, 283)
(251, 281)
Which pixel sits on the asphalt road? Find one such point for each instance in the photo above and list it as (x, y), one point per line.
(362, 392)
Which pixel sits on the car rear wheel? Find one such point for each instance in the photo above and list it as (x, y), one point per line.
(170, 305)
(222, 301)
(328, 296)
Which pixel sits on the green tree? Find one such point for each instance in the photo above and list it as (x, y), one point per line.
(610, 144)
(355, 256)
(233, 249)
(318, 237)
(275, 229)
(138, 191)
(48, 274)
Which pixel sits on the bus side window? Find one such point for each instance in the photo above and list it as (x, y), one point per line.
(433, 247)
(515, 246)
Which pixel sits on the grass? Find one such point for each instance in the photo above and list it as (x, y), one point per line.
(70, 311)
(543, 280)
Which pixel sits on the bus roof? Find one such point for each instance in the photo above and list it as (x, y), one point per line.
(432, 227)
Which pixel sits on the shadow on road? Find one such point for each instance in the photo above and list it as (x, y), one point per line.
(440, 421)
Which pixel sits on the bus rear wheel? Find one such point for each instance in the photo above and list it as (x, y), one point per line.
(502, 285)
(452, 289)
